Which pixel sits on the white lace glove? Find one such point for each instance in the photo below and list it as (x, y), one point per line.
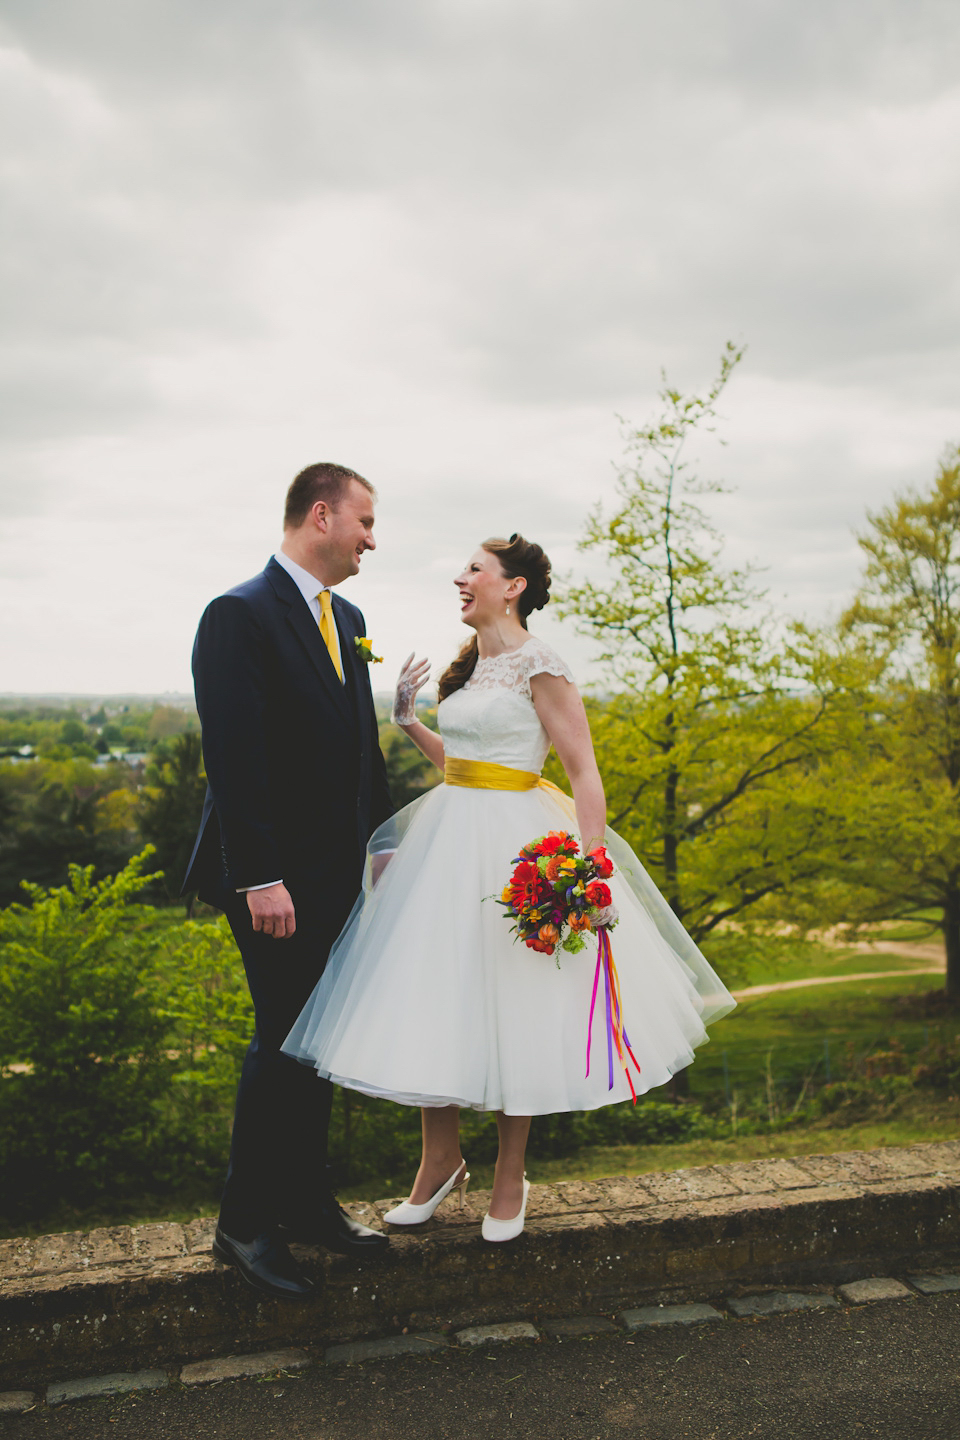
(412, 678)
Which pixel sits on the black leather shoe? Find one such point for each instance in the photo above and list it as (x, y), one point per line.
(265, 1263)
(330, 1225)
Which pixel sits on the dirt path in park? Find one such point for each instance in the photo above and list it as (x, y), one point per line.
(932, 952)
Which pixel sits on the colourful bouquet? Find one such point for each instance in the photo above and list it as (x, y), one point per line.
(554, 898)
(555, 893)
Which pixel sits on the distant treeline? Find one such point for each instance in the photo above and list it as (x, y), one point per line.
(91, 787)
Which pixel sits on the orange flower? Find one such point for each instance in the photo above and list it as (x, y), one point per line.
(577, 921)
(549, 934)
(560, 867)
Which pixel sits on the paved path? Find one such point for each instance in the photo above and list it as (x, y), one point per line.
(887, 1369)
(932, 952)
(834, 980)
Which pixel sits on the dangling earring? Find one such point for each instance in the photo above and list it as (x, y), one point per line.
(508, 607)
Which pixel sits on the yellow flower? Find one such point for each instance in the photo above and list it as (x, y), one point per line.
(365, 650)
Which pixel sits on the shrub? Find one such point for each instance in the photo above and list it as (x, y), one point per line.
(938, 1065)
(855, 1099)
(121, 1040)
(205, 1001)
(83, 1062)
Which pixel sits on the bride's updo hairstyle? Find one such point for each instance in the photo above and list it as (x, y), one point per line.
(518, 557)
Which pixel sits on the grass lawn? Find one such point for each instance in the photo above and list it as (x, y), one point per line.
(801, 1031)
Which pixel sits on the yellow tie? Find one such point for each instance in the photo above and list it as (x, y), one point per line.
(328, 631)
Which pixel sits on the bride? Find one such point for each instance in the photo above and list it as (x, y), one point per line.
(426, 1000)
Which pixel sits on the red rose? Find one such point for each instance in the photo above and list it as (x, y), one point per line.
(602, 862)
(598, 894)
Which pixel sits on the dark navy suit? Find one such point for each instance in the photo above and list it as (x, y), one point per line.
(296, 785)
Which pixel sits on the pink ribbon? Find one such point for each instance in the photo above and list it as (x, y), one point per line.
(616, 1032)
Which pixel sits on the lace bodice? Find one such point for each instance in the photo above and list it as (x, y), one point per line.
(492, 717)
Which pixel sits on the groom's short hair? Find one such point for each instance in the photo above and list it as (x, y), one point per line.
(323, 481)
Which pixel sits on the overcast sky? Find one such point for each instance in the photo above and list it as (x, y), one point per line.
(447, 242)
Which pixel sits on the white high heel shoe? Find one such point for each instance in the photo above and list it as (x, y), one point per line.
(500, 1230)
(409, 1214)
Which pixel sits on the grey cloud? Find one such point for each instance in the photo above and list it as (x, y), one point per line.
(502, 210)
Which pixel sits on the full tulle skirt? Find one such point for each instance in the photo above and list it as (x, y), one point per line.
(427, 999)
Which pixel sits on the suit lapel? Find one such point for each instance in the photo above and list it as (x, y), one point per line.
(307, 631)
(349, 658)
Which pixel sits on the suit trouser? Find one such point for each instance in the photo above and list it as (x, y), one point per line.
(278, 1151)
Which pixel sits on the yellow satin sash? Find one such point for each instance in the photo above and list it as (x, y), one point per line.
(485, 775)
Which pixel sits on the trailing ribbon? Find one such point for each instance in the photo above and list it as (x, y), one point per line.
(617, 1037)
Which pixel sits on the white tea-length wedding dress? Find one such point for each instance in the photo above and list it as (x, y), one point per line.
(427, 1000)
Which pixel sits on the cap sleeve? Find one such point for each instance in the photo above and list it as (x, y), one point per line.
(539, 659)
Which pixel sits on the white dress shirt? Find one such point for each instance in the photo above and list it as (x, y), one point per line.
(309, 587)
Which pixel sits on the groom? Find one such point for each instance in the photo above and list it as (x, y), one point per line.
(296, 784)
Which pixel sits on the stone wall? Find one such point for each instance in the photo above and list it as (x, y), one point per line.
(125, 1298)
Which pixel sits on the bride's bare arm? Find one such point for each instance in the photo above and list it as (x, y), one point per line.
(413, 677)
(562, 715)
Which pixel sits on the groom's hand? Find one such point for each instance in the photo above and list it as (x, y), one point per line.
(272, 911)
(380, 861)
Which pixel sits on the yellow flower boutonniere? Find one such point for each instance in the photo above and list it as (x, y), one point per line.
(365, 651)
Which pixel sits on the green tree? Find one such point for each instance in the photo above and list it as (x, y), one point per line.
(908, 796)
(72, 732)
(52, 814)
(168, 720)
(171, 804)
(719, 717)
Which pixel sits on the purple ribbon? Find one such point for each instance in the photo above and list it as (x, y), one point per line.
(606, 986)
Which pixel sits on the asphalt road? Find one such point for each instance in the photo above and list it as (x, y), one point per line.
(890, 1369)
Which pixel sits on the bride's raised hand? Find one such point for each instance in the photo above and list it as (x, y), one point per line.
(411, 680)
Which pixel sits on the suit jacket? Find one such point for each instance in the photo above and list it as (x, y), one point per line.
(296, 778)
